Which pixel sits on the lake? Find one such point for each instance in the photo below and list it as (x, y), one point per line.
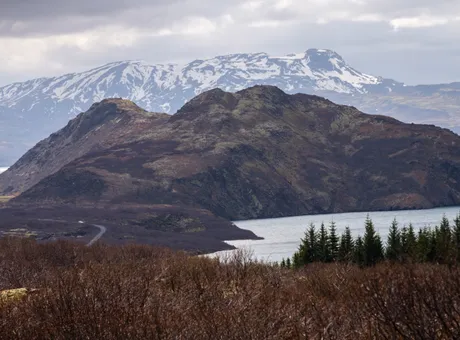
(282, 235)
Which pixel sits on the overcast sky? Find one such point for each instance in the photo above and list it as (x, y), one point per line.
(415, 41)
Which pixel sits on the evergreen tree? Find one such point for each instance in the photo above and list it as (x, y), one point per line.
(411, 243)
(297, 261)
(288, 263)
(359, 252)
(323, 246)
(432, 254)
(380, 250)
(456, 238)
(333, 243)
(394, 247)
(423, 246)
(307, 252)
(443, 242)
(373, 249)
(300, 257)
(283, 263)
(404, 232)
(346, 246)
(312, 244)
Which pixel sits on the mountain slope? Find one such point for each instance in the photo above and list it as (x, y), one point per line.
(32, 110)
(252, 154)
(105, 124)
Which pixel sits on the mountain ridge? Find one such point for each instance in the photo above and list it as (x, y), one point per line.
(30, 111)
(255, 153)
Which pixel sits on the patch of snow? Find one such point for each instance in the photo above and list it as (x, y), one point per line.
(163, 87)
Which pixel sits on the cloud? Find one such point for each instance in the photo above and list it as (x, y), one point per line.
(420, 21)
(52, 37)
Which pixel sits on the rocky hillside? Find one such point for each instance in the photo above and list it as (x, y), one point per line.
(252, 154)
(32, 110)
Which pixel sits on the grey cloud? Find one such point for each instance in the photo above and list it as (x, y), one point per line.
(44, 17)
(409, 56)
(420, 55)
(32, 10)
(25, 18)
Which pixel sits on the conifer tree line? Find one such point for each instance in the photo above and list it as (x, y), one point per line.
(440, 244)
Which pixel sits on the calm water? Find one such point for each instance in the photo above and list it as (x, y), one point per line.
(282, 235)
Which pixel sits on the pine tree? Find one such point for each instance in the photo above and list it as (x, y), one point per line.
(411, 243)
(308, 248)
(394, 247)
(300, 257)
(346, 246)
(283, 263)
(434, 235)
(333, 243)
(443, 242)
(297, 261)
(404, 232)
(423, 246)
(359, 252)
(288, 263)
(312, 244)
(379, 249)
(323, 249)
(456, 238)
(373, 249)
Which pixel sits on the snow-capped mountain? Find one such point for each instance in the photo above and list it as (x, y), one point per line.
(31, 110)
(166, 87)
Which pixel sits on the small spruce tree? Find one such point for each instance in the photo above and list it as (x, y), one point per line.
(333, 243)
(423, 246)
(394, 248)
(297, 261)
(346, 246)
(323, 244)
(359, 253)
(283, 263)
(373, 249)
(443, 242)
(456, 238)
(313, 255)
(411, 243)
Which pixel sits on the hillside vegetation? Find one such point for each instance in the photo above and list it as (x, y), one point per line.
(140, 292)
(256, 153)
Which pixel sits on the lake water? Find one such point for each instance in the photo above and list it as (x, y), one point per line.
(282, 235)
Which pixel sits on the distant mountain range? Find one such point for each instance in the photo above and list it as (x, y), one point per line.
(31, 110)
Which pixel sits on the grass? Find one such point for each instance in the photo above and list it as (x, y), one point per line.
(141, 292)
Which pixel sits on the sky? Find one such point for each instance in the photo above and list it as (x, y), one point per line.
(414, 41)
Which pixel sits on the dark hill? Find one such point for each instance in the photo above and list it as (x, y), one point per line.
(257, 153)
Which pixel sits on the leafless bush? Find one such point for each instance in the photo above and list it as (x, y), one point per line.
(140, 292)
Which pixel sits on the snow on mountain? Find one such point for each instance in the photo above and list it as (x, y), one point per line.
(166, 87)
(32, 110)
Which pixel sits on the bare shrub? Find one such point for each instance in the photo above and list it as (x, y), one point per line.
(141, 292)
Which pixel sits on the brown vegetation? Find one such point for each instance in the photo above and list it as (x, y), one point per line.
(257, 153)
(141, 292)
